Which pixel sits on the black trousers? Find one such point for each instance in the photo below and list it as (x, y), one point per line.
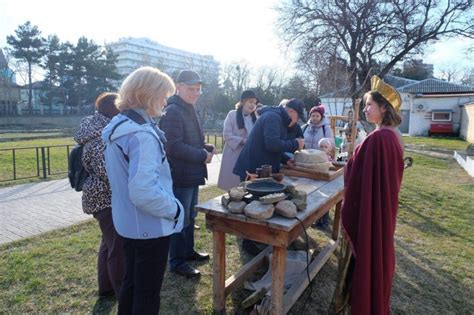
(145, 262)
(111, 258)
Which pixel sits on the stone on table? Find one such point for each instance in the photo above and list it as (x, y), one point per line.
(259, 210)
(236, 206)
(286, 208)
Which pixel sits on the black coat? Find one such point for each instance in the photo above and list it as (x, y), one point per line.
(267, 142)
(185, 143)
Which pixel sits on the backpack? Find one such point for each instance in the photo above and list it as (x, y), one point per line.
(76, 172)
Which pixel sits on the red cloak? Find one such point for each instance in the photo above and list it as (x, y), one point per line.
(373, 177)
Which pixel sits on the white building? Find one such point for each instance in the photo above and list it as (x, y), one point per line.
(136, 52)
(428, 106)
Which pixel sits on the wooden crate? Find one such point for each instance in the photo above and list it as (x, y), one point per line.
(297, 171)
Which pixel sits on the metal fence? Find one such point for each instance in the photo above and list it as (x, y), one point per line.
(33, 162)
(48, 161)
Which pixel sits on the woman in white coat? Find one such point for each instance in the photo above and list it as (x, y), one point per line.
(317, 128)
(237, 126)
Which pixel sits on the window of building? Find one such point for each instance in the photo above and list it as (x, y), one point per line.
(441, 116)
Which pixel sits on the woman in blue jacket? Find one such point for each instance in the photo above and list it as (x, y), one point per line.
(144, 210)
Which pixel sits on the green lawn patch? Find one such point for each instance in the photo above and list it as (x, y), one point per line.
(446, 143)
(29, 162)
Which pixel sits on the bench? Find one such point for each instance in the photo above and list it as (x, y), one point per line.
(441, 128)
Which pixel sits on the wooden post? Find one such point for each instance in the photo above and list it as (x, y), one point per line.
(333, 125)
(278, 279)
(337, 221)
(219, 271)
(354, 127)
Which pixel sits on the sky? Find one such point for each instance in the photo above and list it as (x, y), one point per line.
(228, 30)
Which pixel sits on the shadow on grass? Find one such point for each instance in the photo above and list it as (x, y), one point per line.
(104, 305)
(421, 286)
(428, 224)
(240, 294)
(316, 297)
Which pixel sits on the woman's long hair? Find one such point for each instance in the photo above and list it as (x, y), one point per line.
(240, 115)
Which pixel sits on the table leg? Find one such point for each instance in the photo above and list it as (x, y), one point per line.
(278, 279)
(337, 221)
(219, 271)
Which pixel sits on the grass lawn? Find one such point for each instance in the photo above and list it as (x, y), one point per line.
(447, 143)
(26, 159)
(56, 272)
(38, 134)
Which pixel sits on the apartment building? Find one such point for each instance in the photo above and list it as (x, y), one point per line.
(136, 52)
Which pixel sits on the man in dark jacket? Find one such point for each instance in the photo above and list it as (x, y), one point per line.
(272, 135)
(188, 156)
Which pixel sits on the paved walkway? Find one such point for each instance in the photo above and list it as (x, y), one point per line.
(31, 209)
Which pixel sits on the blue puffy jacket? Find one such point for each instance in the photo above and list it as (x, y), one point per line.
(143, 203)
(266, 143)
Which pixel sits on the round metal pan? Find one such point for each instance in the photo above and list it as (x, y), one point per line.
(260, 189)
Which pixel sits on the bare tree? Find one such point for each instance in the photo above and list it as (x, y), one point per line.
(371, 34)
(468, 77)
(236, 77)
(268, 83)
(450, 73)
(267, 79)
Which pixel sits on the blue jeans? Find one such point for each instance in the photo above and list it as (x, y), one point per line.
(182, 243)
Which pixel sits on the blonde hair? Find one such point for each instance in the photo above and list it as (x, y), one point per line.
(144, 88)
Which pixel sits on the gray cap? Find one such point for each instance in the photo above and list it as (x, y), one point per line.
(188, 77)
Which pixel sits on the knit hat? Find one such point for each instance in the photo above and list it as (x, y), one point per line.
(319, 109)
(298, 106)
(325, 141)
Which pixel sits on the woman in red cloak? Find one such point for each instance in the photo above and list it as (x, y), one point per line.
(373, 177)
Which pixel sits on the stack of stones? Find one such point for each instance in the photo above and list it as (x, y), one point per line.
(285, 204)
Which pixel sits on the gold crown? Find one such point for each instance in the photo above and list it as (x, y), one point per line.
(387, 91)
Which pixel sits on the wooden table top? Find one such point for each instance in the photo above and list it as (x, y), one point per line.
(318, 193)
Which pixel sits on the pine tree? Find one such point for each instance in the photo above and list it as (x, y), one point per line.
(28, 45)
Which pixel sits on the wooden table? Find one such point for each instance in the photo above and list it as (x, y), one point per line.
(278, 232)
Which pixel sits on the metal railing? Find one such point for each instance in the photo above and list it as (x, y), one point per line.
(33, 162)
(216, 139)
(46, 161)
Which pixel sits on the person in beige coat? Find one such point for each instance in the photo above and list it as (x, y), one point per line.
(237, 126)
